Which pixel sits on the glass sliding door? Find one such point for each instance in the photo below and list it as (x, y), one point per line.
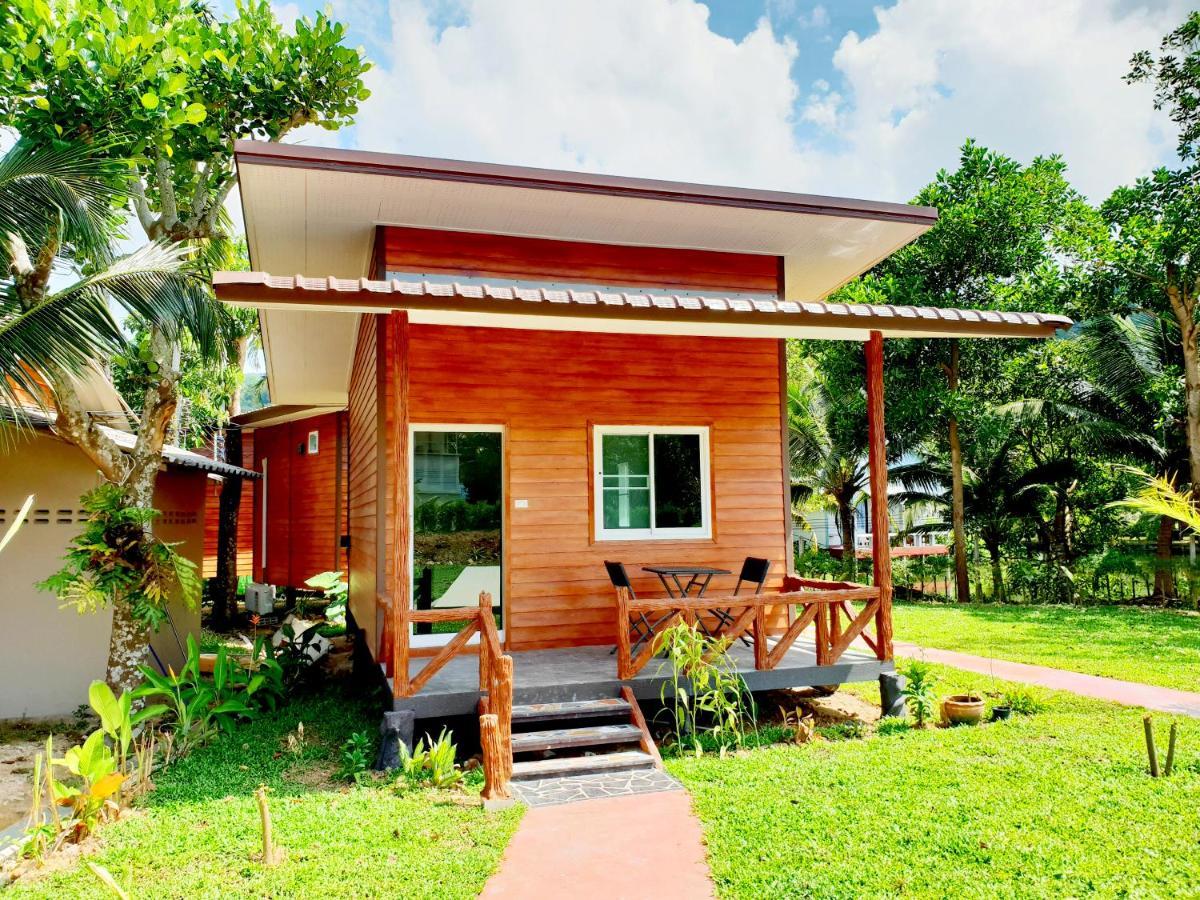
(457, 509)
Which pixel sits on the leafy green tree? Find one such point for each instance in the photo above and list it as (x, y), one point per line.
(1150, 263)
(1001, 228)
(1176, 77)
(165, 87)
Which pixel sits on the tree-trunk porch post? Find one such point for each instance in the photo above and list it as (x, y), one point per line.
(881, 553)
(397, 344)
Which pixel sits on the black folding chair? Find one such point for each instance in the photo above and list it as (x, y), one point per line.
(641, 629)
(754, 572)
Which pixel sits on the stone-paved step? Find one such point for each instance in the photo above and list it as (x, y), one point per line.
(619, 761)
(562, 738)
(574, 709)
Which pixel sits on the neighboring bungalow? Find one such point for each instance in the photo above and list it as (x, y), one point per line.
(58, 652)
(608, 355)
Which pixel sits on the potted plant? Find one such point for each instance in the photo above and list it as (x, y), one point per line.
(1002, 711)
(963, 709)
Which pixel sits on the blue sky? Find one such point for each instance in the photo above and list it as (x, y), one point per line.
(854, 98)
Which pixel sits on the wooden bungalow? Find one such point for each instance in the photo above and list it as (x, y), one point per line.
(546, 371)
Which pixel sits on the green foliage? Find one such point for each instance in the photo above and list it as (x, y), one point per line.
(890, 725)
(196, 707)
(430, 762)
(357, 755)
(1176, 76)
(154, 80)
(117, 560)
(195, 833)
(919, 691)
(333, 585)
(1024, 700)
(851, 730)
(445, 516)
(705, 696)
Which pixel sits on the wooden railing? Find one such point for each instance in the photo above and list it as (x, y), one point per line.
(495, 676)
(820, 605)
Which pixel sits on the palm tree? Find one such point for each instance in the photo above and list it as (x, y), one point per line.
(1128, 404)
(999, 491)
(827, 454)
(56, 221)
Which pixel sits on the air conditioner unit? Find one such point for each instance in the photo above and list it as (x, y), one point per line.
(260, 598)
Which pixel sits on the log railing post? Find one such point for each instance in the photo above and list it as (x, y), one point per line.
(822, 639)
(761, 650)
(881, 553)
(501, 705)
(495, 785)
(624, 651)
(485, 667)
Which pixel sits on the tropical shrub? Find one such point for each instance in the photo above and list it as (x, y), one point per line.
(430, 762)
(443, 516)
(1023, 700)
(918, 691)
(705, 695)
(333, 585)
(356, 756)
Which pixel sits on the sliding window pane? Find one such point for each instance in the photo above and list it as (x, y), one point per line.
(677, 489)
(626, 481)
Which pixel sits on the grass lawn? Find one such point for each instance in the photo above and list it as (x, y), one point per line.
(198, 834)
(1057, 804)
(1152, 646)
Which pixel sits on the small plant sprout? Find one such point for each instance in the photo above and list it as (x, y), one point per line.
(918, 691)
(356, 757)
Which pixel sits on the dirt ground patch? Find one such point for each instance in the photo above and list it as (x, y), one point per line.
(19, 743)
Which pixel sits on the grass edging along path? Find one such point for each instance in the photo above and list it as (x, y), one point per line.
(198, 832)
(1153, 646)
(1057, 804)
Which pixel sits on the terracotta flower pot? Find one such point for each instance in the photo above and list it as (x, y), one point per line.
(963, 709)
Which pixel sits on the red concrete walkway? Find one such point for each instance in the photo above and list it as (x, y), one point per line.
(1129, 693)
(645, 845)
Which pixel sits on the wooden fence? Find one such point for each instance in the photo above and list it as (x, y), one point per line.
(495, 676)
(823, 606)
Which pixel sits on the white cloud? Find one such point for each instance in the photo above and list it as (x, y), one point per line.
(1021, 76)
(638, 87)
(645, 87)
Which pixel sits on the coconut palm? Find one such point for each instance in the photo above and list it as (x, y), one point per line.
(828, 454)
(1000, 489)
(55, 216)
(56, 221)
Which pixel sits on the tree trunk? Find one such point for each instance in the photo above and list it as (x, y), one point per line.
(128, 650)
(1164, 577)
(978, 573)
(225, 587)
(1183, 303)
(849, 551)
(962, 583)
(998, 595)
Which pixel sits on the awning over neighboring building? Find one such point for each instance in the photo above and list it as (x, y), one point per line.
(599, 309)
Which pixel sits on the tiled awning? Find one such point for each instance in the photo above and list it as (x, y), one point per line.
(367, 295)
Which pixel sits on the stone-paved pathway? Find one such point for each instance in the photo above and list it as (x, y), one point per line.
(1129, 693)
(569, 789)
(636, 846)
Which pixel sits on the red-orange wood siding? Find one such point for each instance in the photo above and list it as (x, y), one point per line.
(503, 256)
(305, 499)
(366, 481)
(549, 389)
(212, 515)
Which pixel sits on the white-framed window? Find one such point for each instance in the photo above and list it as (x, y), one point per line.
(651, 482)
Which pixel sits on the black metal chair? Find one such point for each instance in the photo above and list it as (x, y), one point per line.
(754, 572)
(641, 629)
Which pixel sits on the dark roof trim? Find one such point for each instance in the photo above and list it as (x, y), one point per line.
(296, 156)
(278, 415)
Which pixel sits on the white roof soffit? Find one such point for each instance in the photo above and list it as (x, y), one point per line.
(314, 211)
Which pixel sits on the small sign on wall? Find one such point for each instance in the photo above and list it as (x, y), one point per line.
(313, 442)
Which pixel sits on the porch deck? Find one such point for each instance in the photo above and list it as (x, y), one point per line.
(553, 676)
